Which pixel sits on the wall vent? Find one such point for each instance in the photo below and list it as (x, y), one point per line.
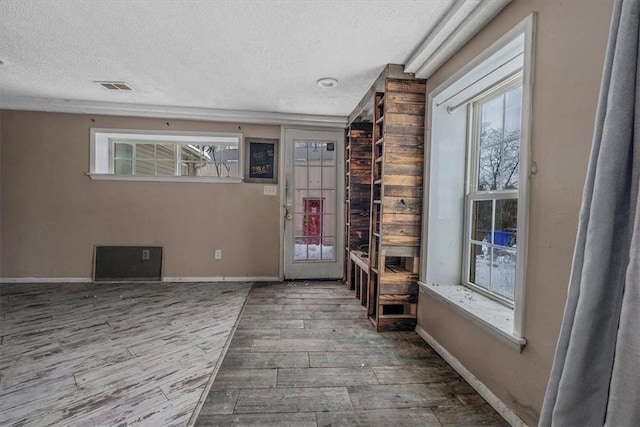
(127, 263)
(115, 85)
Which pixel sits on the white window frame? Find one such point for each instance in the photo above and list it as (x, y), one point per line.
(474, 194)
(444, 226)
(102, 143)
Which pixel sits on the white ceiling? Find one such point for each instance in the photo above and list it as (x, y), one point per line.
(202, 58)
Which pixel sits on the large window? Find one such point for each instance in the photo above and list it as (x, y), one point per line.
(141, 155)
(492, 191)
(477, 164)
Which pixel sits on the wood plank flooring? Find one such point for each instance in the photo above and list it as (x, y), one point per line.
(304, 354)
(111, 354)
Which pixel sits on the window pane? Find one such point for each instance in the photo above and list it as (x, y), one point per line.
(300, 155)
(188, 169)
(123, 151)
(489, 168)
(166, 151)
(328, 154)
(513, 106)
(299, 228)
(211, 169)
(503, 273)
(191, 152)
(314, 177)
(308, 249)
(301, 252)
(328, 225)
(491, 120)
(499, 145)
(123, 166)
(165, 167)
(480, 265)
(329, 178)
(506, 224)
(145, 167)
(481, 220)
(145, 151)
(328, 249)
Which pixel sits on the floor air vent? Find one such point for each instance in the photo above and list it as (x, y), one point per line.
(127, 263)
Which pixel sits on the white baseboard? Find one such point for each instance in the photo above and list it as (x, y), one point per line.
(474, 382)
(220, 279)
(45, 280)
(57, 280)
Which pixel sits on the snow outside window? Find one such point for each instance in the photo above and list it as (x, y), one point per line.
(491, 220)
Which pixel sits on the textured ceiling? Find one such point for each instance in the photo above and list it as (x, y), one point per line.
(262, 55)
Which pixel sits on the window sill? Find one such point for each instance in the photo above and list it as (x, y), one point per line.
(481, 310)
(201, 179)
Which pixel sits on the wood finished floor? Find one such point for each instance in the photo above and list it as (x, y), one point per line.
(106, 355)
(304, 354)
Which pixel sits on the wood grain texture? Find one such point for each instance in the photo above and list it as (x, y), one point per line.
(109, 354)
(335, 371)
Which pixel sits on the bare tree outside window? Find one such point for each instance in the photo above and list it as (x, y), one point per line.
(493, 194)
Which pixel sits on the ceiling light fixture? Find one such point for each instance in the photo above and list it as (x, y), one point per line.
(327, 83)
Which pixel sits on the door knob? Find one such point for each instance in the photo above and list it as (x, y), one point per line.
(289, 217)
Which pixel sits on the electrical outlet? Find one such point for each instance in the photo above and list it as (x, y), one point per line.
(146, 255)
(217, 254)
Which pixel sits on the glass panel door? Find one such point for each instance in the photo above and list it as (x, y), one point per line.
(312, 229)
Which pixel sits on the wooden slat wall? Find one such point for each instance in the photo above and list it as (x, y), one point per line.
(403, 162)
(401, 217)
(359, 182)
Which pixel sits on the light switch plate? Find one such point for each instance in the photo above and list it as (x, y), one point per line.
(270, 190)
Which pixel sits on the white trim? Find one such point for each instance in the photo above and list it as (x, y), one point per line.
(45, 280)
(526, 27)
(56, 280)
(283, 197)
(166, 178)
(493, 400)
(483, 311)
(461, 22)
(312, 268)
(220, 279)
(168, 112)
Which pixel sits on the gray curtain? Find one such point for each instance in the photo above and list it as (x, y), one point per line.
(595, 378)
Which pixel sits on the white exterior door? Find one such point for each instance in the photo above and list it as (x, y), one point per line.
(314, 214)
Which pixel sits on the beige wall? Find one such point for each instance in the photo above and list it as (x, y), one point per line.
(53, 213)
(569, 53)
(1, 193)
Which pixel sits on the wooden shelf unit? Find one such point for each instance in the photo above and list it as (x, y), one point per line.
(396, 203)
(357, 195)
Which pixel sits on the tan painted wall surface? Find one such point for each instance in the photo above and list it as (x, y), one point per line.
(53, 213)
(569, 55)
(1, 194)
